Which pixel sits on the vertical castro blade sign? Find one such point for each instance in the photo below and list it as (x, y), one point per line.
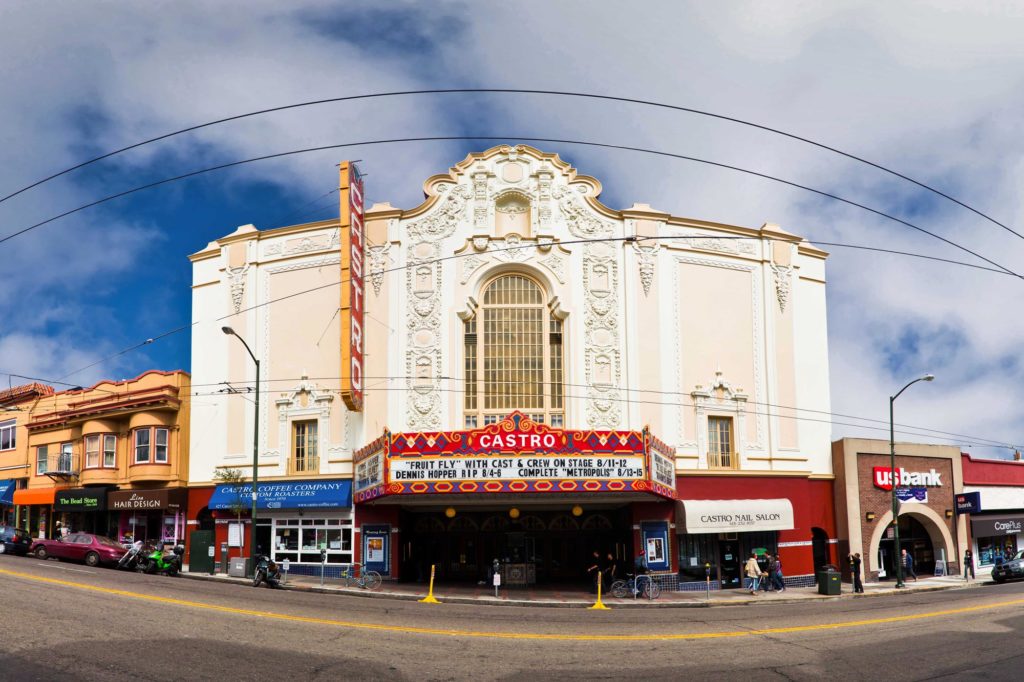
(353, 251)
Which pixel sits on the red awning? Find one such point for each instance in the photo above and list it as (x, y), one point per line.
(35, 496)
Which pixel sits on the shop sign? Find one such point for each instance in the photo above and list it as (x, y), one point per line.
(732, 516)
(912, 494)
(989, 527)
(663, 468)
(310, 494)
(968, 503)
(129, 500)
(883, 478)
(377, 548)
(352, 280)
(370, 472)
(80, 500)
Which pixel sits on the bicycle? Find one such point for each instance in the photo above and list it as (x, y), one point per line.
(639, 584)
(368, 580)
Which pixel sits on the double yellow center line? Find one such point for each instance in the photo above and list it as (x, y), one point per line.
(649, 637)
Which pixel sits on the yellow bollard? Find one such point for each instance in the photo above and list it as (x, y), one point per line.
(429, 599)
(599, 604)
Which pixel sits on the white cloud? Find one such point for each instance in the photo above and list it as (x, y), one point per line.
(932, 90)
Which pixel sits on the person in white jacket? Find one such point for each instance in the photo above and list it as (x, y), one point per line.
(753, 572)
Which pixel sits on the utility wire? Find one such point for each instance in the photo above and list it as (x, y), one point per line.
(528, 139)
(524, 91)
(397, 268)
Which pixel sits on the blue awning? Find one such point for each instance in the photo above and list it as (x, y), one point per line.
(7, 489)
(310, 494)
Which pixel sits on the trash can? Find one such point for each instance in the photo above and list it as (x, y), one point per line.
(238, 567)
(830, 581)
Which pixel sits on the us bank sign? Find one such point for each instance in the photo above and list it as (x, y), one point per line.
(515, 455)
(883, 478)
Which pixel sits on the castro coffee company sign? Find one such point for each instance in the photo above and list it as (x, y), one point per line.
(882, 477)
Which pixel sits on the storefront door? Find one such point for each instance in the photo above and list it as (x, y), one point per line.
(729, 561)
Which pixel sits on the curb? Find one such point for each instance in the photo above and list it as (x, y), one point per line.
(579, 604)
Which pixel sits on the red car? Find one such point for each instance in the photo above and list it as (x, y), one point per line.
(92, 549)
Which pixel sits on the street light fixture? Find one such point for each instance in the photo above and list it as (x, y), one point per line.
(255, 450)
(898, 558)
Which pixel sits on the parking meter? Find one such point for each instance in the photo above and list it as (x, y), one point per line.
(285, 565)
(323, 565)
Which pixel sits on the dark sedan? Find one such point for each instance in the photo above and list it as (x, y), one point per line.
(91, 549)
(14, 541)
(1011, 569)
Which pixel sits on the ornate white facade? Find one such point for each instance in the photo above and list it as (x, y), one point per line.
(666, 320)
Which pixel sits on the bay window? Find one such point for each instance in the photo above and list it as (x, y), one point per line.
(101, 451)
(151, 445)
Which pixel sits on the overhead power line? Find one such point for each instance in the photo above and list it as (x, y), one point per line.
(917, 430)
(463, 255)
(528, 139)
(524, 91)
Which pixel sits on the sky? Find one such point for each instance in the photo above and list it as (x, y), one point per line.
(933, 90)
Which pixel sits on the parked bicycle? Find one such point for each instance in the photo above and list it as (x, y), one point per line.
(636, 585)
(355, 574)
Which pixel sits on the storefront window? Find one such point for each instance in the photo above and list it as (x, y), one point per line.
(300, 540)
(993, 549)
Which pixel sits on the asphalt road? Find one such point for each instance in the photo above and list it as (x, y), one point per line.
(66, 621)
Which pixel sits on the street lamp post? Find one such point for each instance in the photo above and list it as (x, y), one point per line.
(255, 451)
(897, 558)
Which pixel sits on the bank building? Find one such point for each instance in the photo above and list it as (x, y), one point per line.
(512, 370)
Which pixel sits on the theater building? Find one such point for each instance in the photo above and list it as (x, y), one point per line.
(519, 372)
(928, 479)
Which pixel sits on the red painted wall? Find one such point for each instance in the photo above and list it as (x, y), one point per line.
(992, 472)
(370, 515)
(813, 507)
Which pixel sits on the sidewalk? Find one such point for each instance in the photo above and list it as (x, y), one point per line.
(568, 597)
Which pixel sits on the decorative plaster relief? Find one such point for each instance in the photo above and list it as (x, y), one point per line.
(602, 360)
(470, 265)
(706, 242)
(306, 244)
(423, 317)
(380, 259)
(236, 277)
(646, 256)
(580, 220)
(273, 250)
(307, 402)
(783, 280)
(556, 264)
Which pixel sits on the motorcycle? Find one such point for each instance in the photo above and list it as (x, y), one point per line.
(158, 561)
(266, 572)
(132, 557)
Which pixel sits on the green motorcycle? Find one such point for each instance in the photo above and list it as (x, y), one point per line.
(157, 561)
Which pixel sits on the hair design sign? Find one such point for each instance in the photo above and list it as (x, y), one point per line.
(514, 455)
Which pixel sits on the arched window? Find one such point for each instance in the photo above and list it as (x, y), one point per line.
(513, 355)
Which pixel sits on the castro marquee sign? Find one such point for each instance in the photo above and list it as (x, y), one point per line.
(353, 253)
(514, 455)
(882, 477)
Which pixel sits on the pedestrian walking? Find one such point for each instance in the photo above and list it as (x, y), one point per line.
(968, 564)
(776, 574)
(855, 565)
(753, 572)
(611, 569)
(908, 566)
(594, 571)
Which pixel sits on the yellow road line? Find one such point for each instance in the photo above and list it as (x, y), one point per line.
(512, 635)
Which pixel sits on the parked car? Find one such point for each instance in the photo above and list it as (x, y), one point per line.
(92, 549)
(1011, 569)
(14, 541)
